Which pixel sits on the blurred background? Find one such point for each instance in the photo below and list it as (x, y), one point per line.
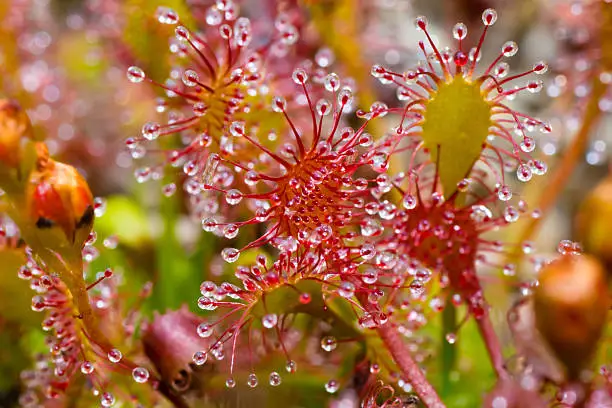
(65, 62)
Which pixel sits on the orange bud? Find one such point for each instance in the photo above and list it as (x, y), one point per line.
(15, 126)
(571, 305)
(594, 220)
(59, 197)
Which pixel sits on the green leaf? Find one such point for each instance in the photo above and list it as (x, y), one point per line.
(455, 127)
(176, 279)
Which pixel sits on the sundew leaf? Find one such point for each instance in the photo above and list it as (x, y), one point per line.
(456, 124)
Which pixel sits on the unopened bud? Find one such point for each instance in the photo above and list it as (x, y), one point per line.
(59, 205)
(571, 305)
(171, 343)
(594, 220)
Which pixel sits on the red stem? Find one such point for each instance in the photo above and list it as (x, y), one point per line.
(493, 345)
(409, 367)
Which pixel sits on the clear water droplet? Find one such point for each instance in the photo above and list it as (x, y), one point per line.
(135, 74)
(291, 366)
(332, 386)
(204, 330)
(199, 358)
(275, 379)
(114, 356)
(269, 321)
(252, 380)
(140, 375)
(230, 255)
(87, 367)
(329, 343)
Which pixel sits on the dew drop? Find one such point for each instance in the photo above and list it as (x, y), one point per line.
(299, 76)
(329, 343)
(190, 77)
(205, 330)
(409, 202)
(527, 247)
(291, 366)
(540, 67)
(346, 290)
(169, 189)
(99, 206)
(213, 16)
(332, 82)
(523, 173)
(504, 193)
(509, 270)
(206, 303)
(135, 74)
(279, 104)
(230, 255)
(230, 231)
(566, 247)
(324, 57)
(451, 338)
(420, 23)
(166, 15)
(269, 321)
(509, 49)
(199, 358)
(459, 31)
(370, 276)
(140, 375)
(107, 399)
(151, 130)
(332, 386)
(230, 383)
(511, 214)
(114, 356)
(252, 380)
(275, 379)
(489, 17)
(87, 367)
(199, 109)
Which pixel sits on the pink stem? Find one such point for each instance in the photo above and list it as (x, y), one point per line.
(409, 367)
(493, 345)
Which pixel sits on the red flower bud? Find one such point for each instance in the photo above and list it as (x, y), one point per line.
(571, 305)
(170, 342)
(593, 222)
(58, 196)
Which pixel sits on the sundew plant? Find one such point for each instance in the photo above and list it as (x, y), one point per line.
(313, 203)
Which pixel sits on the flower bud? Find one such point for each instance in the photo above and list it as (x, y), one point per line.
(571, 305)
(170, 341)
(59, 205)
(15, 126)
(594, 220)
